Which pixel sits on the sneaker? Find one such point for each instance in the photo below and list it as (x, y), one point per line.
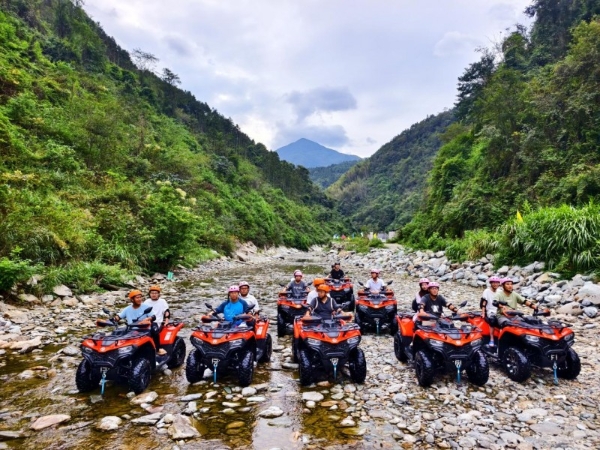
(161, 352)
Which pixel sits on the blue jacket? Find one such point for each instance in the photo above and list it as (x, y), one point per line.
(221, 307)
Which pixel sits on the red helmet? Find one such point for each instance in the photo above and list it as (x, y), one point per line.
(234, 288)
(424, 280)
(243, 283)
(298, 273)
(433, 284)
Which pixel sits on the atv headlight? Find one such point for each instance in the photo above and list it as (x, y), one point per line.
(285, 307)
(437, 344)
(353, 341)
(532, 339)
(476, 343)
(236, 343)
(363, 308)
(389, 307)
(569, 337)
(86, 349)
(197, 342)
(346, 290)
(126, 350)
(313, 342)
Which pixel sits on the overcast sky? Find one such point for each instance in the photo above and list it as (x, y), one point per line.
(349, 74)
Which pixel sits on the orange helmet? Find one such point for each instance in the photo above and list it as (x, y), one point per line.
(323, 287)
(154, 288)
(134, 293)
(318, 281)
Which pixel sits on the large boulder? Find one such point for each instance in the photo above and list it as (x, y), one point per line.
(62, 291)
(48, 421)
(572, 308)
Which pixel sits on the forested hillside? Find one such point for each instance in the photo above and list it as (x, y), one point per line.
(307, 153)
(106, 166)
(384, 191)
(326, 176)
(528, 140)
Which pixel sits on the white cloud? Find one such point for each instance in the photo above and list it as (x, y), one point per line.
(455, 43)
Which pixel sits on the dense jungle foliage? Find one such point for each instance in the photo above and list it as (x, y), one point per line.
(527, 140)
(107, 168)
(326, 176)
(384, 191)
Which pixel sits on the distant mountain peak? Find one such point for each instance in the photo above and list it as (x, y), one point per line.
(307, 153)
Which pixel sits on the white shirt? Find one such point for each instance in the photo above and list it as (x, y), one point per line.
(374, 286)
(489, 296)
(158, 309)
(251, 301)
(311, 295)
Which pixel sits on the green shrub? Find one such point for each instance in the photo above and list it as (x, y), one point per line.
(84, 277)
(474, 245)
(376, 243)
(15, 270)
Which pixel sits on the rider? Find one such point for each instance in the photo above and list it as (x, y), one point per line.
(488, 310)
(247, 297)
(233, 305)
(375, 284)
(161, 312)
(135, 310)
(298, 287)
(433, 303)
(323, 305)
(336, 272)
(513, 299)
(313, 294)
(423, 284)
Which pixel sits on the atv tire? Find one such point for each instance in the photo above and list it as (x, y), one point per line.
(424, 368)
(194, 369)
(572, 366)
(281, 328)
(358, 366)
(140, 375)
(246, 368)
(399, 348)
(479, 369)
(268, 351)
(350, 304)
(516, 365)
(85, 378)
(294, 350)
(394, 325)
(178, 356)
(306, 370)
(359, 322)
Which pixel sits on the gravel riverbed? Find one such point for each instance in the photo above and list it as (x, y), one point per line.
(41, 408)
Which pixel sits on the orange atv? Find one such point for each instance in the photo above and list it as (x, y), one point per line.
(342, 292)
(377, 310)
(440, 344)
(328, 345)
(288, 308)
(523, 341)
(229, 345)
(127, 354)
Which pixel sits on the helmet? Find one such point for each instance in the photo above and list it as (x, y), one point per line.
(375, 271)
(318, 281)
(298, 273)
(243, 283)
(134, 293)
(424, 280)
(337, 263)
(433, 284)
(323, 287)
(234, 288)
(495, 279)
(505, 280)
(154, 288)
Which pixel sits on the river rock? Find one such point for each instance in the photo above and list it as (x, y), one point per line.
(70, 302)
(48, 421)
(191, 397)
(271, 412)
(312, 396)
(70, 351)
(572, 308)
(590, 311)
(248, 391)
(62, 291)
(149, 419)
(6, 435)
(348, 422)
(146, 397)
(181, 428)
(27, 346)
(29, 299)
(547, 428)
(109, 423)
(589, 290)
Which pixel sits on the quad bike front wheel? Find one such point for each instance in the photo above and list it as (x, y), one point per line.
(140, 375)
(399, 348)
(85, 378)
(358, 366)
(306, 370)
(178, 356)
(424, 368)
(571, 366)
(246, 368)
(281, 328)
(516, 364)
(394, 325)
(194, 369)
(479, 369)
(268, 351)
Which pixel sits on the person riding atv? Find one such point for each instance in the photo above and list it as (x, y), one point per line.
(507, 299)
(233, 306)
(433, 303)
(336, 272)
(323, 306)
(297, 286)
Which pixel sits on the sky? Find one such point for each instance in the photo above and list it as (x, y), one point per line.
(348, 74)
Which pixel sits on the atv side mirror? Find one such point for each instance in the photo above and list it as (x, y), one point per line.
(208, 305)
(104, 323)
(463, 304)
(106, 311)
(148, 309)
(390, 282)
(360, 282)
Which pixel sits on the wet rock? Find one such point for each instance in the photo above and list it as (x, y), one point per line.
(271, 412)
(312, 396)
(181, 428)
(590, 311)
(256, 399)
(191, 408)
(347, 422)
(48, 421)
(26, 346)
(248, 391)
(6, 435)
(146, 397)
(191, 397)
(109, 423)
(62, 291)
(290, 366)
(149, 419)
(70, 351)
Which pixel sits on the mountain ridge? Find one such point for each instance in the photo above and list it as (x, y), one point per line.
(309, 154)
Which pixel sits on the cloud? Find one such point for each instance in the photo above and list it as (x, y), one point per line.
(178, 45)
(503, 12)
(328, 135)
(455, 43)
(320, 99)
